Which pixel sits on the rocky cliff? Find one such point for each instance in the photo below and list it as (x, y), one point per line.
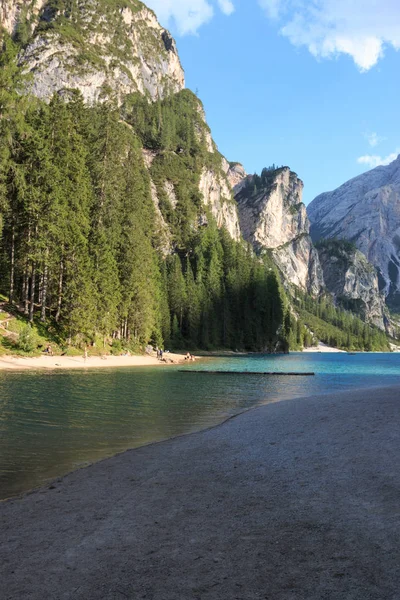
(273, 217)
(188, 166)
(353, 281)
(13, 14)
(96, 47)
(366, 211)
(105, 51)
(217, 194)
(237, 176)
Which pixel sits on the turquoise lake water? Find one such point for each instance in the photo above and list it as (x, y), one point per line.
(54, 422)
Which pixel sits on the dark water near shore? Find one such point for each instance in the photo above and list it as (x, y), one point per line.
(54, 422)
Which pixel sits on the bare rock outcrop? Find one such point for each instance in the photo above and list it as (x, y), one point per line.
(366, 211)
(99, 48)
(217, 195)
(12, 12)
(236, 176)
(273, 218)
(353, 281)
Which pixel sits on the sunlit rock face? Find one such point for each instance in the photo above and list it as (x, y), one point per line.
(97, 48)
(273, 217)
(353, 281)
(11, 12)
(236, 176)
(366, 211)
(217, 194)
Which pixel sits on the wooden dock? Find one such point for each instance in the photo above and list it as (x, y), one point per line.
(286, 374)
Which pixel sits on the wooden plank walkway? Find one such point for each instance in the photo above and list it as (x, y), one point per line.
(296, 374)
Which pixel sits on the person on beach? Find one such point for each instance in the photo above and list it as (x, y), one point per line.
(85, 354)
(161, 354)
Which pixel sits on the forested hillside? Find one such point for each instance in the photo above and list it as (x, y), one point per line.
(80, 247)
(118, 222)
(337, 327)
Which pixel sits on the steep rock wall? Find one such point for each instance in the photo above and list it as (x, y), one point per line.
(217, 195)
(353, 281)
(273, 217)
(11, 12)
(366, 211)
(98, 48)
(236, 176)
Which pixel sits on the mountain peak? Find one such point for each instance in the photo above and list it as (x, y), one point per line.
(99, 48)
(366, 211)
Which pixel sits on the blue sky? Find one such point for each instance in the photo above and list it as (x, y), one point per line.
(313, 84)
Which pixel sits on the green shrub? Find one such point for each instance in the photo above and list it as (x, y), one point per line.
(28, 339)
(116, 348)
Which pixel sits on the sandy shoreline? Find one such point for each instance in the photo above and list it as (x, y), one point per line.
(323, 348)
(292, 500)
(9, 362)
(78, 362)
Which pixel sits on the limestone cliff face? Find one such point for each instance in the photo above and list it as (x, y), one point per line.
(273, 217)
(353, 281)
(298, 260)
(217, 194)
(236, 176)
(11, 12)
(98, 48)
(366, 211)
(215, 185)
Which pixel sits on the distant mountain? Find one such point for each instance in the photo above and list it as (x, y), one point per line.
(353, 281)
(366, 211)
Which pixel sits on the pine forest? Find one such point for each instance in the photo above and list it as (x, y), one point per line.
(87, 258)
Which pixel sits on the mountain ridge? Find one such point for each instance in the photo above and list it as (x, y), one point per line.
(102, 49)
(366, 211)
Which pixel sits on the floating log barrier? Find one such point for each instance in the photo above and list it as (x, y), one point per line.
(293, 374)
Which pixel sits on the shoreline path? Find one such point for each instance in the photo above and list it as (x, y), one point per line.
(297, 500)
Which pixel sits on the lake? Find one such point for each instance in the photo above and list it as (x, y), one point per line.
(54, 422)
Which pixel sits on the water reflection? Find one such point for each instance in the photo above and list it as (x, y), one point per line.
(54, 422)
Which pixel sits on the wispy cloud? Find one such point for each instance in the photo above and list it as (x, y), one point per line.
(361, 28)
(373, 161)
(187, 16)
(273, 8)
(374, 139)
(226, 6)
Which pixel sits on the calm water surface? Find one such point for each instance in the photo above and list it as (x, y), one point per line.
(54, 422)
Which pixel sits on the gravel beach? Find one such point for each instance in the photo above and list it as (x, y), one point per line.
(298, 500)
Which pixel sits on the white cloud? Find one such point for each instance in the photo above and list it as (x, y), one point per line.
(226, 6)
(360, 28)
(272, 7)
(187, 16)
(373, 161)
(374, 139)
